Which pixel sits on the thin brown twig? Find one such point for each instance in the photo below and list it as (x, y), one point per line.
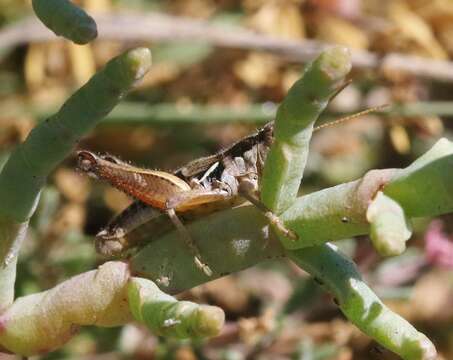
(161, 27)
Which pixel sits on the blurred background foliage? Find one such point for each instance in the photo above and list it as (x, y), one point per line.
(197, 99)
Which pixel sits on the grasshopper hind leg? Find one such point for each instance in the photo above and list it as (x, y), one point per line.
(113, 240)
(189, 241)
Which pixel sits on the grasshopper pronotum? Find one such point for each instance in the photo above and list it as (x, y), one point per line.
(208, 184)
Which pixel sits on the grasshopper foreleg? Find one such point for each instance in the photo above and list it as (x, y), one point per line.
(189, 241)
(248, 190)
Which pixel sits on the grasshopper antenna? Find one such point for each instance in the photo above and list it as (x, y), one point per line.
(345, 84)
(353, 116)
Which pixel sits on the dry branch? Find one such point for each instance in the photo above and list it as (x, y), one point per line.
(161, 27)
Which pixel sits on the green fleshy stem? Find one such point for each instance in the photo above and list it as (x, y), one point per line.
(339, 212)
(66, 19)
(12, 235)
(26, 170)
(165, 316)
(360, 305)
(45, 321)
(104, 297)
(425, 188)
(51, 141)
(389, 227)
(296, 116)
(167, 261)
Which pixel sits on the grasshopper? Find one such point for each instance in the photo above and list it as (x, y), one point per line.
(225, 179)
(204, 185)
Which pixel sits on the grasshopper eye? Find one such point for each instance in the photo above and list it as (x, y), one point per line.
(86, 161)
